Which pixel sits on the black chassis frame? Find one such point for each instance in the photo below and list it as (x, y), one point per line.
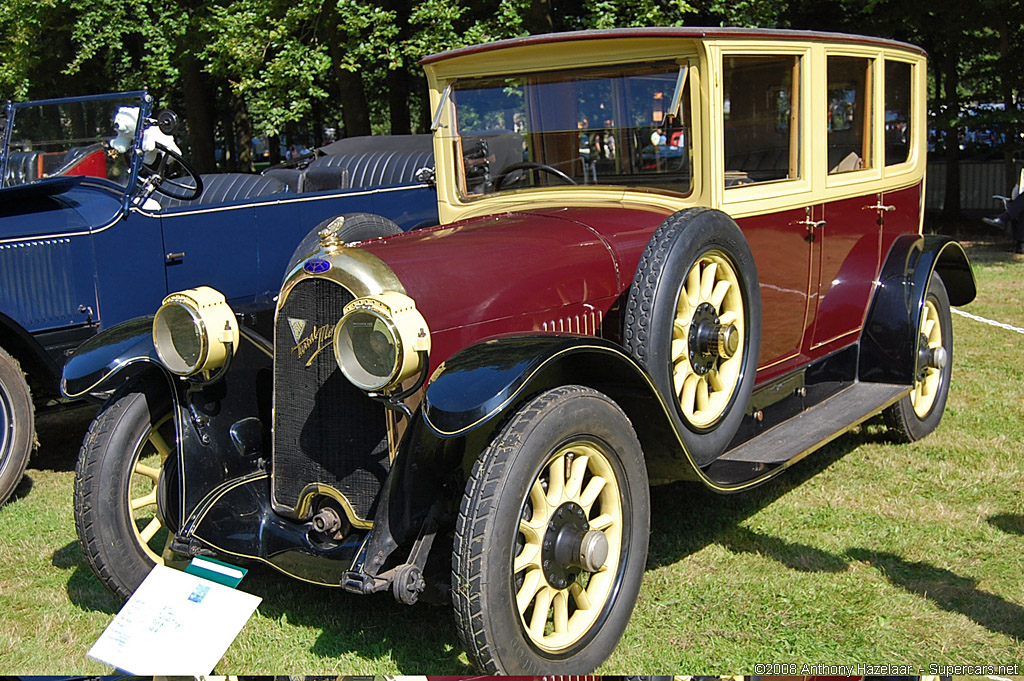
(215, 494)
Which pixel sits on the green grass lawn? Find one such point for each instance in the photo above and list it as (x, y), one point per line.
(866, 552)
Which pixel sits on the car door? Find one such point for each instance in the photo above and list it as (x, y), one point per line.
(215, 245)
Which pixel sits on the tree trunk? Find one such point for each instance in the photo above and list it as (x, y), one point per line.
(198, 114)
(243, 135)
(398, 101)
(355, 110)
(538, 17)
(1006, 86)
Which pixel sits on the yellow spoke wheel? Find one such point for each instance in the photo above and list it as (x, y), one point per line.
(147, 462)
(926, 387)
(693, 322)
(709, 314)
(919, 412)
(576, 493)
(551, 538)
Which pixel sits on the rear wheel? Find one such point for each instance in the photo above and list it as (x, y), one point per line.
(918, 413)
(551, 539)
(17, 424)
(120, 529)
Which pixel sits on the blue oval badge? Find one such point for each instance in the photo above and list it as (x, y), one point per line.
(317, 265)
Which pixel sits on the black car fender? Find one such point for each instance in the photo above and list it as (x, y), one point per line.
(110, 359)
(471, 395)
(889, 340)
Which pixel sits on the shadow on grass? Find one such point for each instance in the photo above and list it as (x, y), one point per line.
(84, 589)
(1010, 523)
(799, 557)
(686, 516)
(372, 627)
(375, 627)
(948, 590)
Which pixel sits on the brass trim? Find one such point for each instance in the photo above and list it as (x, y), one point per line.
(305, 505)
(359, 271)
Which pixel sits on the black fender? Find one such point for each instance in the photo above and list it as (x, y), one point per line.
(469, 398)
(223, 425)
(110, 359)
(889, 342)
(42, 371)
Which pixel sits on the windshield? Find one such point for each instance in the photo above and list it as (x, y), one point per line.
(623, 125)
(91, 137)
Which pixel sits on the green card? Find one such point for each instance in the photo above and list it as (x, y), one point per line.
(216, 571)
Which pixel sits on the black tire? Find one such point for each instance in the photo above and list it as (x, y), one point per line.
(918, 413)
(491, 535)
(120, 462)
(17, 425)
(361, 226)
(687, 244)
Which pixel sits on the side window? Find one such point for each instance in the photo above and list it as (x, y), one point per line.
(849, 114)
(761, 118)
(898, 96)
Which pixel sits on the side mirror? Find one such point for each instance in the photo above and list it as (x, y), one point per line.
(167, 121)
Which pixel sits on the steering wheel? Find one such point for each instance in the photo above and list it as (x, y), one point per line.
(182, 183)
(529, 165)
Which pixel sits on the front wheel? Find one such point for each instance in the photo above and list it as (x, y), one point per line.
(17, 425)
(919, 412)
(120, 529)
(551, 539)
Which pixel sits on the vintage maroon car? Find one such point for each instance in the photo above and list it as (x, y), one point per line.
(664, 254)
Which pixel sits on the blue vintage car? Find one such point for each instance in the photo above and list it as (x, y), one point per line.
(101, 217)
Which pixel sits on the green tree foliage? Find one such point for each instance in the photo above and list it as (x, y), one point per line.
(279, 66)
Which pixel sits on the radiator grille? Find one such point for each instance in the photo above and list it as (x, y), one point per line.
(326, 431)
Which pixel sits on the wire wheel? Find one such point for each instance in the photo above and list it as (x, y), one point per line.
(577, 492)
(706, 367)
(927, 385)
(147, 461)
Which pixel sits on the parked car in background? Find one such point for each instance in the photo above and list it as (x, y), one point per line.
(96, 229)
(727, 273)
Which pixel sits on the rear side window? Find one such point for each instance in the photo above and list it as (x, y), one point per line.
(849, 114)
(761, 118)
(898, 97)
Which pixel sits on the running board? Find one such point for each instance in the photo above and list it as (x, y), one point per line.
(817, 425)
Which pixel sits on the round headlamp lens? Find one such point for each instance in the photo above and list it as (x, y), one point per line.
(367, 349)
(180, 338)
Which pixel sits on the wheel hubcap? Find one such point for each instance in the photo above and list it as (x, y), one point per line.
(568, 551)
(147, 462)
(932, 359)
(707, 340)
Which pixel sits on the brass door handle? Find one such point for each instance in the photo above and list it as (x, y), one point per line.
(812, 225)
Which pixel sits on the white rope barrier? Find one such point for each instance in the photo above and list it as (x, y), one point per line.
(990, 322)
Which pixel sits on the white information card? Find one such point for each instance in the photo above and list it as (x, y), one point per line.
(175, 624)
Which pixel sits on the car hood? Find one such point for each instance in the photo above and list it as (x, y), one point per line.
(515, 272)
(57, 207)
